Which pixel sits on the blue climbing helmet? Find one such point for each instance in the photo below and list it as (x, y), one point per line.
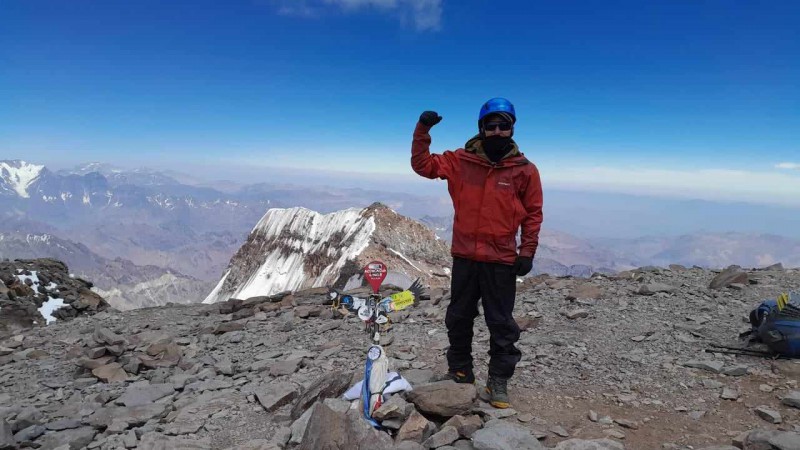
(495, 106)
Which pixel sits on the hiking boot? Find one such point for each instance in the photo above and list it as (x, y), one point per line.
(459, 376)
(497, 388)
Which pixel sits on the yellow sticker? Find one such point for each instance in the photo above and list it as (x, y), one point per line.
(402, 300)
(783, 299)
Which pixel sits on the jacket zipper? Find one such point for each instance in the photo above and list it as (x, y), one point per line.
(483, 197)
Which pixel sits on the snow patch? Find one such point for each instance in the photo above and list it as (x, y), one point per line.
(37, 238)
(162, 201)
(33, 277)
(20, 178)
(404, 258)
(212, 297)
(49, 306)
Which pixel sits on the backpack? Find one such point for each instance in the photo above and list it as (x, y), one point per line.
(776, 323)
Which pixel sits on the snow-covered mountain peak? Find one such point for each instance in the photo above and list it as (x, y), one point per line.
(312, 223)
(297, 248)
(18, 175)
(292, 247)
(95, 167)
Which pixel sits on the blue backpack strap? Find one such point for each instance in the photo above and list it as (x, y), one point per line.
(760, 313)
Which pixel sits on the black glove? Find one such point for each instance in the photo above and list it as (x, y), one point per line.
(523, 265)
(429, 118)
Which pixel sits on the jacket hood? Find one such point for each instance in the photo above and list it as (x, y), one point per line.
(475, 146)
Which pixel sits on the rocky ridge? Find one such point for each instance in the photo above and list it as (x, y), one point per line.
(608, 363)
(123, 284)
(38, 291)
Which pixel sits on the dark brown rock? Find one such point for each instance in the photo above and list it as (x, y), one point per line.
(331, 430)
(107, 337)
(585, 291)
(243, 313)
(444, 398)
(95, 352)
(362, 435)
(416, 428)
(326, 430)
(466, 425)
(274, 395)
(227, 327)
(110, 373)
(731, 275)
(162, 355)
(230, 306)
(92, 364)
(331, 385)
(90, 301)
(395, 408)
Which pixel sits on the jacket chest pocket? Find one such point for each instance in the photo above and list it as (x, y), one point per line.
(504, 184)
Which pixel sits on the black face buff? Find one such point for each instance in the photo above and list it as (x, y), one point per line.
(496, 147)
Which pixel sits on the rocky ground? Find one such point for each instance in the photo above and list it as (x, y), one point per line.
(608, 363)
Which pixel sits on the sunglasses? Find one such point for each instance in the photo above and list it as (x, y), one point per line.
(503, 126)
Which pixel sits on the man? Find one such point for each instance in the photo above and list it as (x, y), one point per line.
(495, 191)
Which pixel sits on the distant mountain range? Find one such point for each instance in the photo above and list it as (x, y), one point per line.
(564, 254)
(163, 231)
(181, 225)
(707, 250)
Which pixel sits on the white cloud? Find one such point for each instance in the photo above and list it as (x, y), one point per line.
(359, 3)
(787, 165)
(706, 184)
(299, 8)
(425, 14)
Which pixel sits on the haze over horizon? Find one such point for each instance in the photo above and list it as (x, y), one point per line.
(581, 213)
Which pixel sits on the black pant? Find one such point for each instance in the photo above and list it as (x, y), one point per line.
(496, 285)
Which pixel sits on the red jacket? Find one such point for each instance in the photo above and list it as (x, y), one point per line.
(491, 201)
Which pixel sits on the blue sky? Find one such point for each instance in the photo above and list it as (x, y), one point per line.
(686, 98)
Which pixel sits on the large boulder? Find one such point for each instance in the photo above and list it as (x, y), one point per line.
(330, 385)
(331, 430)
(326, 430)
(771, 440)
(444, 398)
(416, 428)
(88, 300)
(74, 439)
(274, 395)
(110, 373)
(729, 276)
(500, 435)
(593, 444)
(7, 435)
